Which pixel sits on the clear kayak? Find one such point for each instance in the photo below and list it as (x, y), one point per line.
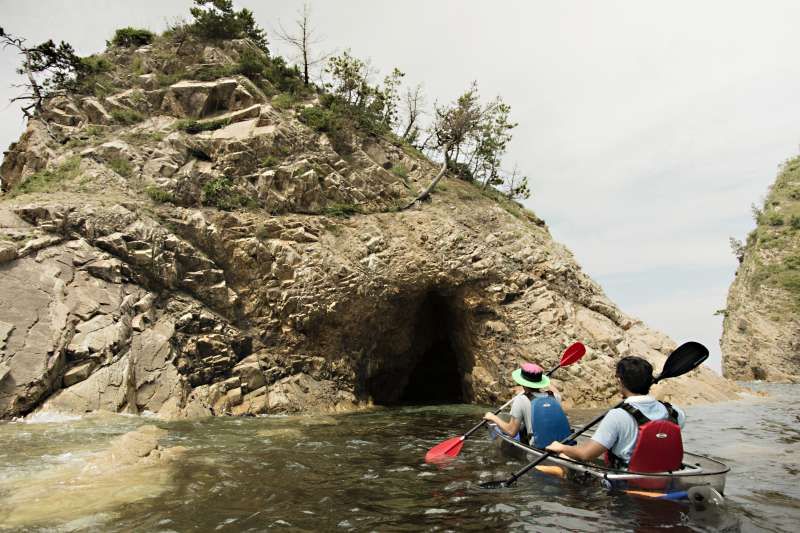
(699, 479)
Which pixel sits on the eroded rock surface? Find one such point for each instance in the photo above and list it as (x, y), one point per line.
(215, 270)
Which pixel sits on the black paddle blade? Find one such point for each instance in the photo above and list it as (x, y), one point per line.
(686, 357)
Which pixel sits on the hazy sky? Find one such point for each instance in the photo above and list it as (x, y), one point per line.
(647, 128)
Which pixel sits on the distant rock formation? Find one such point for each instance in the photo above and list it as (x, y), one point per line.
(221, 257)
(761, 330)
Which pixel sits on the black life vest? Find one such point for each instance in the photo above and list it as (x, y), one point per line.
(659, 446)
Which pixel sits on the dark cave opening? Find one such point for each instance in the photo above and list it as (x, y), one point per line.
(431, 368)
(436, 378)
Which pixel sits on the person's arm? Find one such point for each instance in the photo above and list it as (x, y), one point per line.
(510, 427)
(585, 451)
(603, 439)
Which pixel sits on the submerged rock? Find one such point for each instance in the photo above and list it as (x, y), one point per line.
(134, 467)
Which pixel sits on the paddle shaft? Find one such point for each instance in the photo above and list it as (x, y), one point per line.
(483, 422)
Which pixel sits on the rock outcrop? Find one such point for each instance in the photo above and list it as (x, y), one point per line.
(221, 257)
(761, 330)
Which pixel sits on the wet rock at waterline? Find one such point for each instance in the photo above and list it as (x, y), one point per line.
(214, 271)
(133, 467)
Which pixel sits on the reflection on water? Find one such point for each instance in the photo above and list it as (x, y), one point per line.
(365, 472)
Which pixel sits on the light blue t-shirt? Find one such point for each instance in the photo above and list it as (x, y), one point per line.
(618, 430)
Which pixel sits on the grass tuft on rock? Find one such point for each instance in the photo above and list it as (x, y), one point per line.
(342, 210)
(49, 180)
(192, 126)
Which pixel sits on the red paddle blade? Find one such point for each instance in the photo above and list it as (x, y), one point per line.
(445, 450)
(572, 354)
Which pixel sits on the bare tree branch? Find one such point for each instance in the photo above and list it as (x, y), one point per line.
(303, 41)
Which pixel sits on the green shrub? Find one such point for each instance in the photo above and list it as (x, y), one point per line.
(342, 210)
(95, 64)
(194, 126)
(142, 137)
(285, 78)
(400, 171)
(165, 80)
(317, 118)
(89, 134)
(159, 195)
(794, 222)
(220, 193)
(338, 127)
(262, 232)
(251, 64)
(130, 36)
(47, 180)
(221, 21)
(789, 280)
(270, 161)
(774, 219)
(127, 116)
(121, 166)
(283, 101)
(214, 72)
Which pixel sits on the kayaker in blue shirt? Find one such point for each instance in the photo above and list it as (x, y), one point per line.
(534, 385)
(619, 429)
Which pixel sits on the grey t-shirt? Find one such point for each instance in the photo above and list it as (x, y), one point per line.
(521, 410)
(618, 430)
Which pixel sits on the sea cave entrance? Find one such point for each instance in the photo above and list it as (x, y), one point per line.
(432, 366)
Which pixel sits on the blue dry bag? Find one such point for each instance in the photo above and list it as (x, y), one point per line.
(549, 421)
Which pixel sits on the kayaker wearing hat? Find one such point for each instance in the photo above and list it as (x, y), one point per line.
(526, 409)
(643, 435)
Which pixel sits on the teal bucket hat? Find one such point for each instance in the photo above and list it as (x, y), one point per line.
(531, 375)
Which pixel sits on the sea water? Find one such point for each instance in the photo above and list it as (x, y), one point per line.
(365, 472)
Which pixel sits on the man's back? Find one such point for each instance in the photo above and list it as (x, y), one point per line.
(618, 430)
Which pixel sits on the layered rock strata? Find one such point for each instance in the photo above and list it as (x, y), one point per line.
(214, 270)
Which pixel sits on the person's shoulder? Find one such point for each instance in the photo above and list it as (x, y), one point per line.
(615, 416)
(520, 402)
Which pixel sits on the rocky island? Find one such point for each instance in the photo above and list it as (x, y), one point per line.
(192, 230)
(761, 329)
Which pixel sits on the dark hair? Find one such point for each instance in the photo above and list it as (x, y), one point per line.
(636, 374)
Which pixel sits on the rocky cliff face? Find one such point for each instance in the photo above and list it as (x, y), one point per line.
(242, 265)
(761, 330)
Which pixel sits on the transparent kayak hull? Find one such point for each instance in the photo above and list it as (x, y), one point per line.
(697, 472)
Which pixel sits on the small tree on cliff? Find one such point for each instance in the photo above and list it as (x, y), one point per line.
(375, 107)
(50, 70)
(216, 19)
(471, 138)
(490, 141)
(414, 104)
(303, 41)
(515, 186)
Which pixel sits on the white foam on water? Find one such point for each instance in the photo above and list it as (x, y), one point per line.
(49, 417)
